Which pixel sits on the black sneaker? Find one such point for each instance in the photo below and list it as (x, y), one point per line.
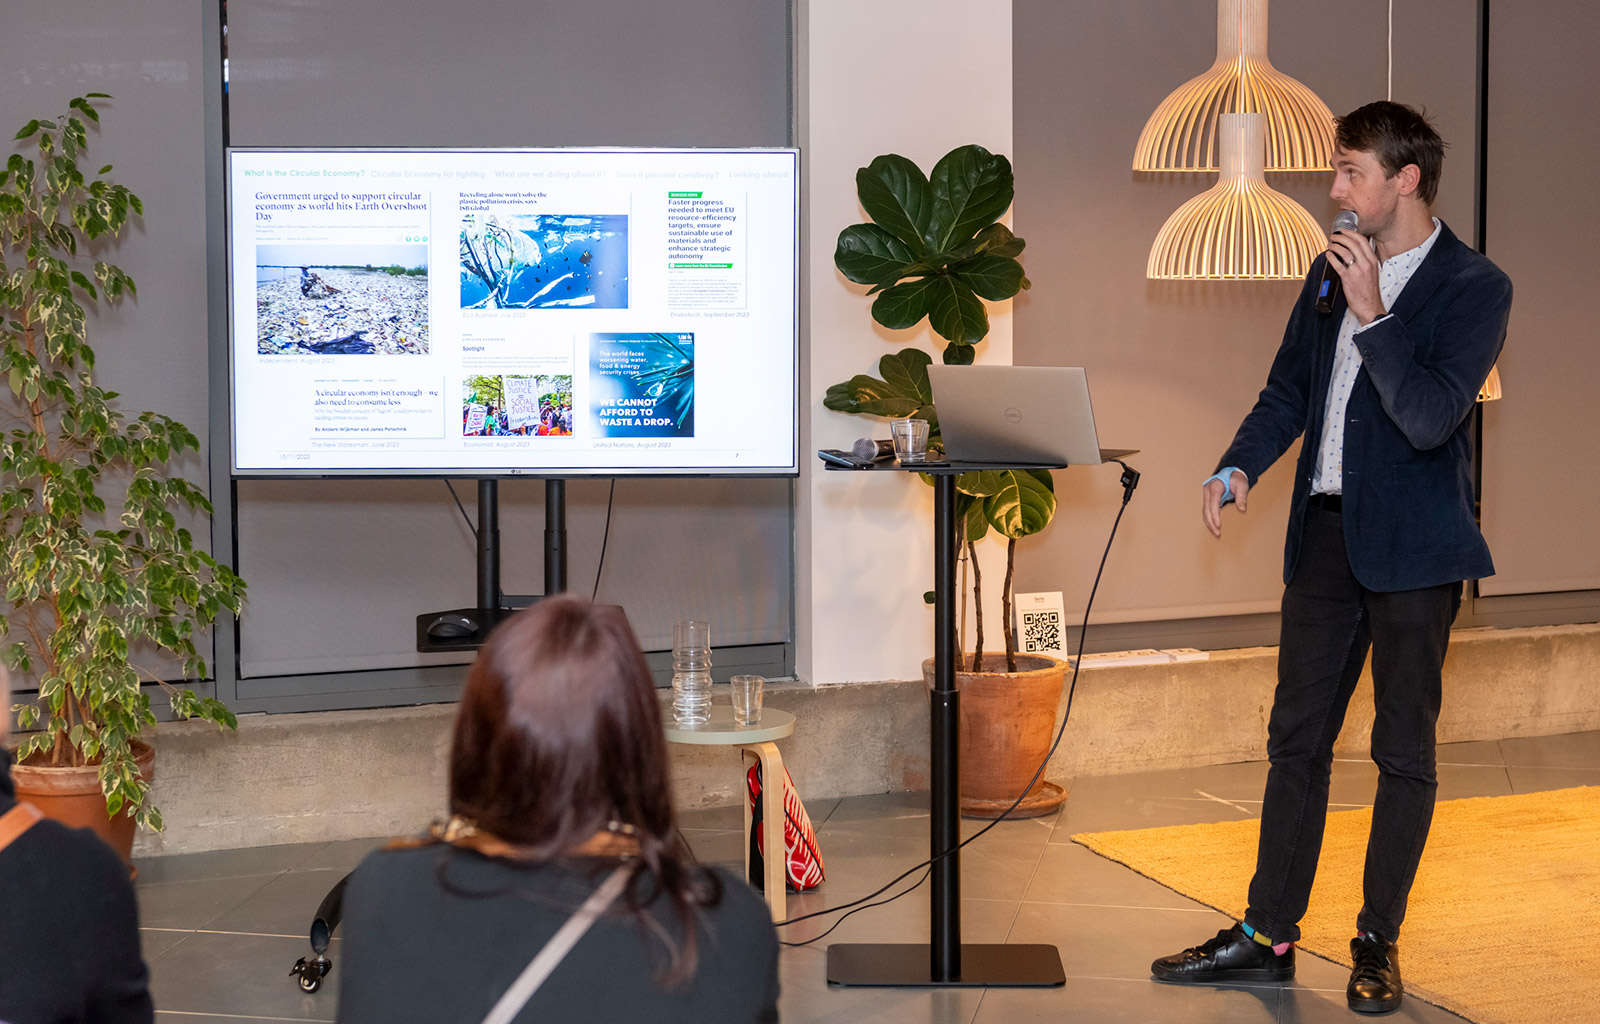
(1375, 980)
(1231, 956)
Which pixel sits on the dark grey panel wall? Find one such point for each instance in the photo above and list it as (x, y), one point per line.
(339, 569)
(1541, 453)
(1174, 366)
(508, 73)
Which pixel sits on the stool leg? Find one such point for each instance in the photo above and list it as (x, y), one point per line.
(774, 792)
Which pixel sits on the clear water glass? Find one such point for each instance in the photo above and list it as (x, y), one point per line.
(910, 439)
(747, 699)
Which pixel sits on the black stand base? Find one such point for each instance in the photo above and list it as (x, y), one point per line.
(899, 965)
(484, 619)
(466, 629)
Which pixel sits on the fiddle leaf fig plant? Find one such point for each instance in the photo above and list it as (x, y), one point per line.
(934, 250)
(95, 564)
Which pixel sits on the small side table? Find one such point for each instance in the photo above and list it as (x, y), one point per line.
(758, 742)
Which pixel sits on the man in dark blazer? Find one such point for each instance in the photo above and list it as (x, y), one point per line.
(1381, 536)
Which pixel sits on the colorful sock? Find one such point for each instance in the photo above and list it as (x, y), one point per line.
(1278, 948)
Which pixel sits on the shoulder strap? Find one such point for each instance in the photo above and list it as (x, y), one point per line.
(548, 958)
(17, 821)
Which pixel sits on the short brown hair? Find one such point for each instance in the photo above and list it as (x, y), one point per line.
(1397, 135)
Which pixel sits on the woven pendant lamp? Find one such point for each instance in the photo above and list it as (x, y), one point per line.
(1182, 135)
(1239, 229)
(1491, 392)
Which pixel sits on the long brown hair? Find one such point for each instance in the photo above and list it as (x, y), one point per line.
(559, 736)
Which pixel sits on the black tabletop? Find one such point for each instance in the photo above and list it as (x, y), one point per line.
(940, 467)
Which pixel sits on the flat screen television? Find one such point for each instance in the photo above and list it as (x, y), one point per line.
(492, 313)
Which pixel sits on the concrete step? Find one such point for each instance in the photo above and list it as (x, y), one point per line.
(347, 774)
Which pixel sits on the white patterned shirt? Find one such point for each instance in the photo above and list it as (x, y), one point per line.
(1328, 477)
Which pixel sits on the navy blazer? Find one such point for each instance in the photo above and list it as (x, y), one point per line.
(1407, 507)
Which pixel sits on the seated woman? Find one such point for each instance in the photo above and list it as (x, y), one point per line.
(69, 927)
(558, 786)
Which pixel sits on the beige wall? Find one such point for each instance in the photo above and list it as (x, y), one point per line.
(1541, 452)
(1174, 366)
(877, 81)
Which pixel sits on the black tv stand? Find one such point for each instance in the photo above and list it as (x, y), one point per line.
(494, 606)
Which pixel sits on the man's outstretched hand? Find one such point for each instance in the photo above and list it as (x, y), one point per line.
(1211, 500)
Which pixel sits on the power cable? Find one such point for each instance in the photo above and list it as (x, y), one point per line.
(462, 507)
(1130, 480)
(605, 539)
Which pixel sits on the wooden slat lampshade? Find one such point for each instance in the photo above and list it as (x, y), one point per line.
(1239, 229)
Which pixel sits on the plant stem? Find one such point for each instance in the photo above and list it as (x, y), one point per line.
(977, 605)
(1006, 626)
(961, 619)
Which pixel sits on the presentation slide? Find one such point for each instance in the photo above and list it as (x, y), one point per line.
(505, 312)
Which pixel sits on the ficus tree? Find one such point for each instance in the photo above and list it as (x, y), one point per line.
(95, 562)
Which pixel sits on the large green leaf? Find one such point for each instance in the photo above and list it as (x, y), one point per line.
(903, 391)
(867, 254)
(868, 395)
(993, 277)
(997, 240)
(994, 240)
(905, 304)
(971, 188)
(959, 353)
(955, 312)
(979, 484)
(970, 514)
(896, 195)
(907, 370)
(1020, 502)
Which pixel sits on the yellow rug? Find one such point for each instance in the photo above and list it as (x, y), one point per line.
(1508, 891)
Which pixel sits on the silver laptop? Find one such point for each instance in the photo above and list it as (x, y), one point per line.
(1030, 414)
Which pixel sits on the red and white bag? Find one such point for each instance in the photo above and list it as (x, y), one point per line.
(803, 863)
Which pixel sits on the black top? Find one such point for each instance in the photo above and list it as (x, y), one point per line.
(439, 934)
(69, 928)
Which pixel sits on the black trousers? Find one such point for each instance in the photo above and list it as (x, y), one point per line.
(1329, 622)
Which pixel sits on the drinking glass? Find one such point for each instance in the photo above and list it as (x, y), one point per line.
(747, 699)
(910, 439)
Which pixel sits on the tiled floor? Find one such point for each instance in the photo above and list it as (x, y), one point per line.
(221, 929)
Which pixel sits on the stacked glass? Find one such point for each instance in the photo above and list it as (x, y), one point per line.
(691, 672)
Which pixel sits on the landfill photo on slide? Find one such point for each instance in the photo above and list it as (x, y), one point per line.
(341, 300)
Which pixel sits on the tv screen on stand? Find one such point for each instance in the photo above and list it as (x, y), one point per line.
(498, 313)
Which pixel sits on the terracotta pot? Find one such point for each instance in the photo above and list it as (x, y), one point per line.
(73, 797)
(1008, 721)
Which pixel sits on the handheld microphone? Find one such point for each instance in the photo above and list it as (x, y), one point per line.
(1328, 289)
(867, 448)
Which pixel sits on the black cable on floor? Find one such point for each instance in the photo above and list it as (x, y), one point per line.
(1130, 480)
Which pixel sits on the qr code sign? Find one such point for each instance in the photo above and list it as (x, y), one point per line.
(1041, 631)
